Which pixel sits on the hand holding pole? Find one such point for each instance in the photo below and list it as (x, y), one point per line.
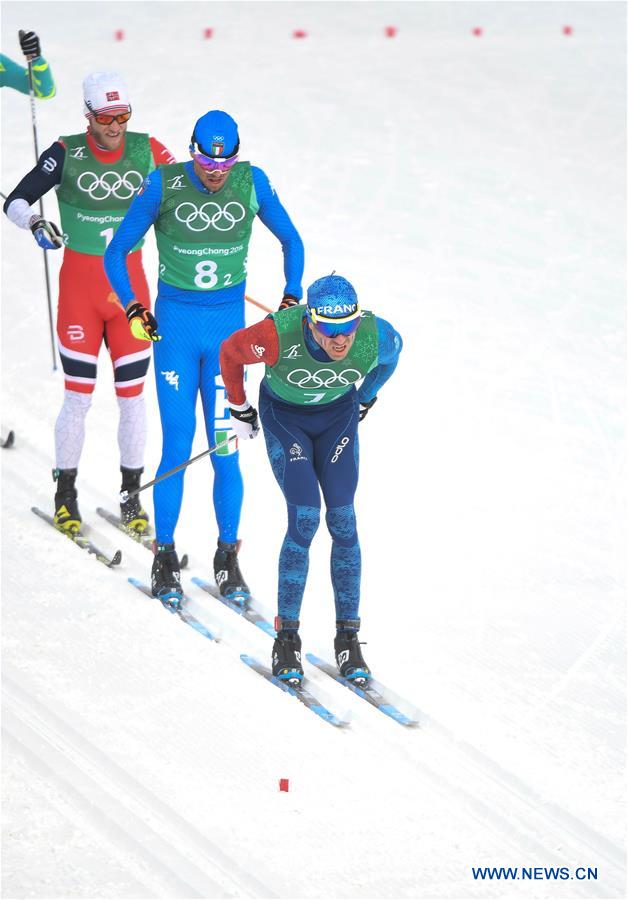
(31, 94)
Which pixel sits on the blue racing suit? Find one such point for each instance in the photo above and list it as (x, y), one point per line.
(312, 446)
(193, 324)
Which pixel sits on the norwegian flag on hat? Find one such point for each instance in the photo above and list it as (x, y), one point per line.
(105, 92)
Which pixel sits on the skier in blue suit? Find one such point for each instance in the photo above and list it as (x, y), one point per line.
(203, 212)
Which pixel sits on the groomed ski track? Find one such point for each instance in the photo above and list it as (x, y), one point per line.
(152, 837)
(181, 860)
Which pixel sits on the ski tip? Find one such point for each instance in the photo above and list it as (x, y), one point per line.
(116, 559)
(329, 717)
(398, 716)
(203, 630)
(9, 440)
(183, 562)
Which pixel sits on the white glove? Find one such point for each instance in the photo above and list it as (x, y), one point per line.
(245, 421)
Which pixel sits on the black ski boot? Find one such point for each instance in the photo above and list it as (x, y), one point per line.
(165, 576)
(349, 657)
(67, 516)
(227, 573)
(132, 513)
(287, 651)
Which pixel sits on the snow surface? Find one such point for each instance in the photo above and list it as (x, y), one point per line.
(473, 189)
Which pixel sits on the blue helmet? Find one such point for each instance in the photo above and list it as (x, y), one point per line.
(332, 305)
(216, 135)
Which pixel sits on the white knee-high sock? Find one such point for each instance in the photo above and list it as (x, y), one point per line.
(132, 431)
(70, 429)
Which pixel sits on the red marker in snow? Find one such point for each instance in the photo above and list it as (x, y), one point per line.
(207, 33)
(567, 29)
(284, 785)
(477, 32)
(390, 31)
(119, 35)
(299, 33)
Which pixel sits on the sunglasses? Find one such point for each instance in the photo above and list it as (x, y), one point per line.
(335, 327)
(104, 119)
(213, 164)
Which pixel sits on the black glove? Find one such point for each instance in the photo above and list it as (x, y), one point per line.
(46, 233)
(29, 42)
(245, 422)
(364, 407)
(288, 301)
(143, 323)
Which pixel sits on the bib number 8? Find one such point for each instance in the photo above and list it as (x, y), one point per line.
(206, 276)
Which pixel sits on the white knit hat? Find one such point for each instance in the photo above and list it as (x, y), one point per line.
(105, 92)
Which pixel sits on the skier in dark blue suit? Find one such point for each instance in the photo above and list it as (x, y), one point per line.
(203, 212)
(310, 409)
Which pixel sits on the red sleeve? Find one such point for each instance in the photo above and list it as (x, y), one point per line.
(160, 154)
(258, 343)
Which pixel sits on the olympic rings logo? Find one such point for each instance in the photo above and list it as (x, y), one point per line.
(223, 218)
(100, 187)
(323, 378)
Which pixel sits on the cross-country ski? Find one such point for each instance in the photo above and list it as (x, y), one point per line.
(178, 608)
(245, 608)
(81, 541)
(301, 691)
(373, 692)
(146, 540)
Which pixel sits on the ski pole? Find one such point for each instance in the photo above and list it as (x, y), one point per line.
(31, 94)
(257, 303)
(124, 495)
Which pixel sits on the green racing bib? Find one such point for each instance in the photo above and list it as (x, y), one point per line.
(298, 378)
(203, 238)
(93, 196)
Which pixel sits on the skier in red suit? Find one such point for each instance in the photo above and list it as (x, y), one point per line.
(96, 175)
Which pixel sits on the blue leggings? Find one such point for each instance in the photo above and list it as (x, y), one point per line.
(186, 362)
(308, 447)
